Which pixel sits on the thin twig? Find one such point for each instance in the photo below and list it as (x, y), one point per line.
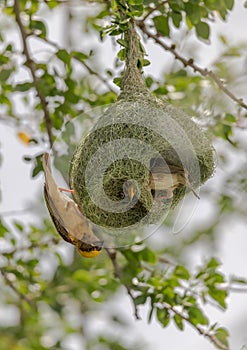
(93, 72)
(13, 287)
(190, 63)
(32, 67)
(212, 338)
(113, 255)
(154, 9)
(164, 260)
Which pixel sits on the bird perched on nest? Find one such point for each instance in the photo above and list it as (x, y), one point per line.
(164, 179)
(70, 223)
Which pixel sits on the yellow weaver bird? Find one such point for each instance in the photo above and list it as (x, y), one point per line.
(70, 223)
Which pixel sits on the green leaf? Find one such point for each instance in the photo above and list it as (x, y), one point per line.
(38, 165)
(80, 55)
(122, 54)
(141, 299)
(163, 316)
(229, 4)
(176, 5)
(5, 100)
(218, 295)
(222, 334)
(223, 39)
(188, 23)
(51, 4)
(114, 5)
(196, 316)
(115, 32)
(19, 226)
(5, 74)
(161, 90)
(33, 8)
(47, 85)
(39, 28)
(144, 62)
(136, 7)
(147, 255)
(161, 25)
(3, 229)
(179, 322)
(64, 56)
(117, 81)
(214, 277)
(168, 294)
(239, 280)
(136, 2)
(195, 12)
(229, 119)
(8, 10)
(123, 43)
(213, 263)
(3, 59)
(27, 158)
(23, 87)
(181, 272)
(149, 81)
(202, 30)
(82, 276)
(176, 19)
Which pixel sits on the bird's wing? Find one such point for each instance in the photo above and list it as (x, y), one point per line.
(71, 224)
(57, 220)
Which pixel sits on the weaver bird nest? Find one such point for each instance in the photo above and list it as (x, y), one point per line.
(119, 152)
(139, 159)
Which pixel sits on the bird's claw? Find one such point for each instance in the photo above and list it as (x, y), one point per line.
(61, 189)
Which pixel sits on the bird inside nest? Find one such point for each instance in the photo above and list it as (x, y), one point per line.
(164, 179)
(130, 192)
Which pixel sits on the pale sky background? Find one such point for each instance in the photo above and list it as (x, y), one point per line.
(20, 191)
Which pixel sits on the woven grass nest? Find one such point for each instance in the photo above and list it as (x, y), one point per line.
(134, 131)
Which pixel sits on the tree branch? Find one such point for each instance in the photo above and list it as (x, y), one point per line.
(190, 63)
(117, 272)
(32, 67)
(154, 9)
(207, 334)
(93, 72)
(13, 287)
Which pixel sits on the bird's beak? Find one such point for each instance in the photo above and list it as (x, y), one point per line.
(131, 192)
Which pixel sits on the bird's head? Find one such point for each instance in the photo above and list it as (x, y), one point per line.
(90, 250)
(130, 190)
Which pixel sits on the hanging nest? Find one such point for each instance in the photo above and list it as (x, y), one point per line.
(137, 131)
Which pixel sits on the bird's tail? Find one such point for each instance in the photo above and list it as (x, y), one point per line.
(189, 185)
(49, 181)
